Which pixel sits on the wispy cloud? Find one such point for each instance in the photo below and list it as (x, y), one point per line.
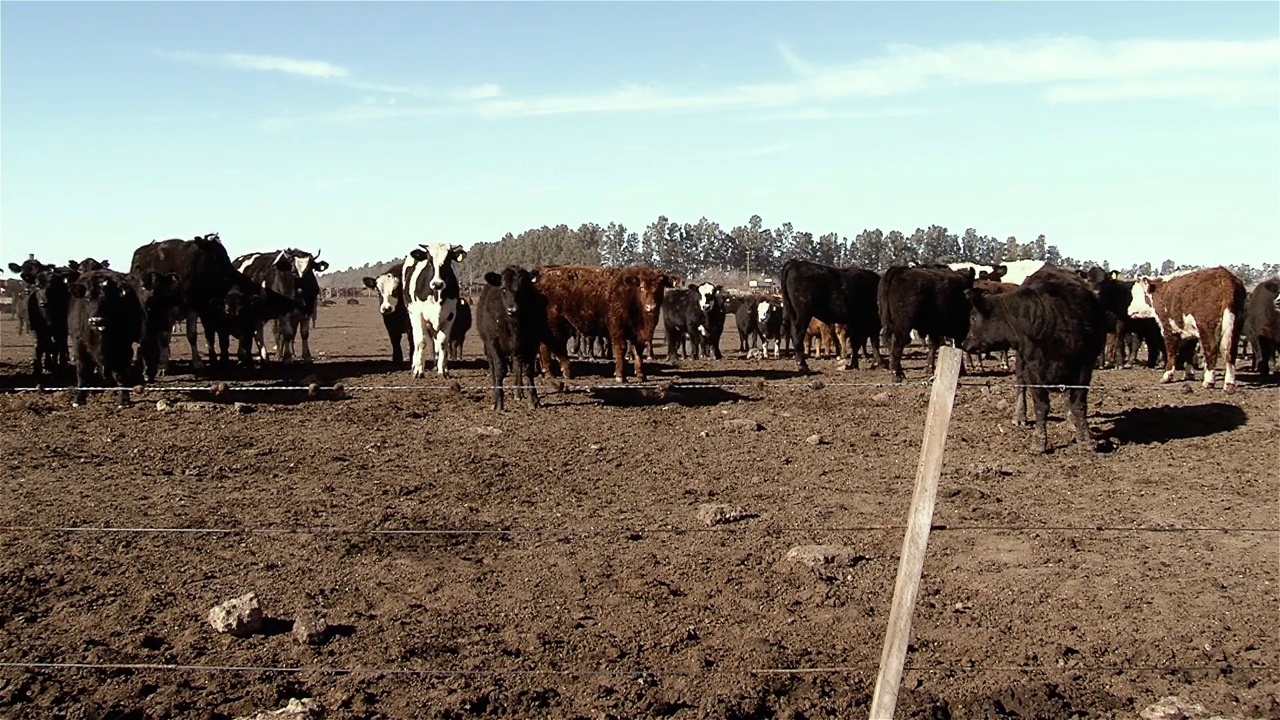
(1058, 69)
(273, 63)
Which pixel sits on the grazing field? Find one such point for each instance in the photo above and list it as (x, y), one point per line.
(1066, 585)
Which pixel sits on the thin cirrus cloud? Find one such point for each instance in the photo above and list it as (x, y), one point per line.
(1068, 69)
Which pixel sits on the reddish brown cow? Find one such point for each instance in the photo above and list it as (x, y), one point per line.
(1205, 305)
(830, 338)
(620, 303)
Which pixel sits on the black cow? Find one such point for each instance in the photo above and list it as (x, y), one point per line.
(105, 319)
(459, 329)
(835, 296)
(1116, 295)
(929, 300)
(88, 265)
(203, 276)
(1262, 323)
(683, 317)
(48, 299)
(748, 322)
(1058, 328)
(512, 322)
(395, 315)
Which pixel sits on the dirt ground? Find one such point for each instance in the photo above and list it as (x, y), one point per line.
(573, 577)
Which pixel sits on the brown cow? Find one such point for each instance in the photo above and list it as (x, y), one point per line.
(829, 338)
(621, 303)
(1205, 305)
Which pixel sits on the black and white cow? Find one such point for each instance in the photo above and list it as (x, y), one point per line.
(684, 317)
(395, 313)
(291, 273)
(770, 323)
(711, 298)
(105, 319)
(431, 294)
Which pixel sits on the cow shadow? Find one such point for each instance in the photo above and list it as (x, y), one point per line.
(748, 373)
(1148, 426)
(684, 396)
(1254, 379)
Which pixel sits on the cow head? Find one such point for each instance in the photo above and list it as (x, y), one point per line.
(984, 333)
(706, 295)
(433, 266)
(106, 297)
(29, 269)
(387, 286)
(969, 274)
(1141, 302)
(650, 285)
(997, 272)
(764, 311)
(517, 286)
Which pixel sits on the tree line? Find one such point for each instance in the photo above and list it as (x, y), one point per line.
(702, 248)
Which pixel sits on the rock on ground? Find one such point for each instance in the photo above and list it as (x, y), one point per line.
(310, 628)
(824, 556)
(239, 616)
(722, 514)
(305, 709)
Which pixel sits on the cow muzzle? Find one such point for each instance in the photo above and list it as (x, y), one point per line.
(437, 285)
(650, 307)
(386, 309)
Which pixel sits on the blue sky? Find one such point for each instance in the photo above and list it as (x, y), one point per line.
(1122, 131)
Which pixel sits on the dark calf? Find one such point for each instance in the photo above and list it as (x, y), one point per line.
(835, 296)
(395, 315)
(512, 322)
(748, 324)
(1262, 323)
(48, 299)
(930, 301)
(683, 318)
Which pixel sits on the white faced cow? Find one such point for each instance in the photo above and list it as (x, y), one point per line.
(290, 273)
(1205, 306)
(430, 289)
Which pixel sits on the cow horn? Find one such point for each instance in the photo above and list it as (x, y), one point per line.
(316, 256)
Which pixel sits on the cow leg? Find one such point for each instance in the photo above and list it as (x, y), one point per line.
(799, 325)
(639, 360)
(441, 343)
(1040, 439)
(196, 364)
(419, 325)
(674, 339)
(397, 356)
(1078, 407)
(619, 357)
(1020, 399)
(497, 371)
(84, 368)
(896, 343)
(259, 336)
(304, 328)
(1172, 346)
(1263, 349)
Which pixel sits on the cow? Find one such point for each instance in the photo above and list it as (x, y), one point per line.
(931, 301)
(1057, 327)
(711, 298)
(511, 317)
(458, 330)
(88, 265)
(845, 296)
(1204, 305)
(748, 322)
(204, 276)
(994, 287)
(48, 299)
(830, 338)
(771, 325)
(431, 295)
(105, 319)
(684, 316)
(395, 314)
(1014, 272)
(16, 291)
(1116, 295)
(623, 303)
(291, 273)
(1262, 323)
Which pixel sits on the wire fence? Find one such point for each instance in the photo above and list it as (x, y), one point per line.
(635, 673)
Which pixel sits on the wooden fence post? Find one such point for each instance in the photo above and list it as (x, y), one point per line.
(911, 561)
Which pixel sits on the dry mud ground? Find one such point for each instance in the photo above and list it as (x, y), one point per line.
(608, 597)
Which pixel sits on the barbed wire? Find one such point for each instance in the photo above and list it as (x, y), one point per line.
(559, 385)
(630, 673)
(626, 531)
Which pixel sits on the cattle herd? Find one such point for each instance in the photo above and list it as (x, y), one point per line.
(1060, 324)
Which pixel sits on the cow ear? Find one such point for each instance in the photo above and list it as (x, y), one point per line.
(320, 266)
(419, 255)
(106, 264)
(979, 300)
(1115, 274)
(459, 253)
(77, 290)
(693, 287)
(493, 278)
(15, 268)
(73, 265)
(370, 283)
(534, 275)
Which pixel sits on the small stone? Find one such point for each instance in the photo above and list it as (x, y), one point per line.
(1186, 389)
(704, 433)
(486, 430)
(1002, 405)
(163, 405)
(1171, 708)
(310, 628)
(245, 408)
(814, 440)
(818, 556)
(596, 447)
(880, 398)
(741, 425)
(240, 616)
(722, 514)
(304, 709)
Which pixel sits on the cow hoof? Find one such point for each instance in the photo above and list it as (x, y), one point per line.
(1229, 387)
